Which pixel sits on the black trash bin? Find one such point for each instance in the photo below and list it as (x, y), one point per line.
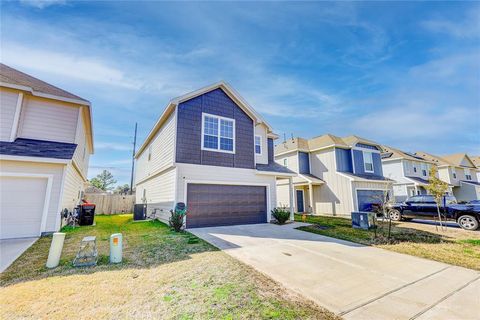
(86, 214)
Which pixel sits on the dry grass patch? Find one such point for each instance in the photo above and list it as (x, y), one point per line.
(166, 275)
(454, 246)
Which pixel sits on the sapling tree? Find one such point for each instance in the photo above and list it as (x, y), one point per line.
(383, 203)
(437, 188)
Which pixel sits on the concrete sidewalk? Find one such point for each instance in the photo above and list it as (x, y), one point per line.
(354, 281)
(11, 249)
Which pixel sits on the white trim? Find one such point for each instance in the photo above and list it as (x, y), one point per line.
(365, 161)
(204, 114)
(16, 117)
(58, 221)
(275, 173)
(353, 161)
(303, 200)
(346, 176)
(230, 183)
(255, 145)
(156, 173)
(48, 192)
(7, 157)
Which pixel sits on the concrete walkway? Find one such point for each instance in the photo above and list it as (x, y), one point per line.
(11, 249)
(354, 281)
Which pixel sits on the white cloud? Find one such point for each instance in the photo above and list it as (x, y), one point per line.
(466, 27)
(41, 4)
(113, 146)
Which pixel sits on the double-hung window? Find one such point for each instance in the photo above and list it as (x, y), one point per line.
(258, 145)
(368, 161)
(454, 174)
(424, 169)
(218, 133)
(468, 175)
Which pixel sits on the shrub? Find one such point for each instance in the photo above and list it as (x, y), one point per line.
(281, 215)
(176, 220)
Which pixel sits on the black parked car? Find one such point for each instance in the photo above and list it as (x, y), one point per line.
(424, 207)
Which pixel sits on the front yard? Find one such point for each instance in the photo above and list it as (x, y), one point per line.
(454, 246)
(164, 275)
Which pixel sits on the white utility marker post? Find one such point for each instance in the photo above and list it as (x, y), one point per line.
(310, 197)
(290, 191)
(55, 250)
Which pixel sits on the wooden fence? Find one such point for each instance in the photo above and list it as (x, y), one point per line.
(111, 203)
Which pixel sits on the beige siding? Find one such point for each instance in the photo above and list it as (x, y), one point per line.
(56, 170)
(8, 106)
(44, 119)
(73, 188)
(159, 192)
(335, 196)
(292, 160)
(283, 197)
(211, 174)
(446, 174)
(162, 152)
(261, 131)
(82, 152)
(467, 192)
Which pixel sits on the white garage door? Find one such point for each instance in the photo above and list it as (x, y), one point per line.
(21, 206)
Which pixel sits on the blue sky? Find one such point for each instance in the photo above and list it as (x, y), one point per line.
(403, 74)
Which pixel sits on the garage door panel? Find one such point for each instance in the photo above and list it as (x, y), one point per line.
(21, 206)
(367, 198)
(214, 205)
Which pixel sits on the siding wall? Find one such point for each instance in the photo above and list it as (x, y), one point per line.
(160, 193)
(44, 119)
(467, 192)
(261, 131)
(359, 166)
(56, 170)
(335, 196)
(344, 160)
(189, 135)
(82, 152)
(162, 147)
(73, 186)
(292, 160)
(8, 104)
(303, 162)
(212, 174)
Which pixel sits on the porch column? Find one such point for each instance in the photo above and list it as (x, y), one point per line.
(416, 190)
(290, 192)
(310, 197)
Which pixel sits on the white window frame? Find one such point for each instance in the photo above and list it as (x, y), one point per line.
(255, 144)
(218, 133)
(468, 174)
(424, 166)
(285, 162)
(454, 174)
(365, 161)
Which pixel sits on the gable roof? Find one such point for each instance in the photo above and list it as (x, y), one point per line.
(457, 159)
(320, 142)
(227, 89)
(476, 161)
(432, 158)
(393, 154)
(10, 77)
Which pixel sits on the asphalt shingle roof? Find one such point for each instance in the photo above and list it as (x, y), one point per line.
(15, 77)
(273, 167)
(38, 148)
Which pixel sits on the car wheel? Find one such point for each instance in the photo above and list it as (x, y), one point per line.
(468, 222)
(395, 215)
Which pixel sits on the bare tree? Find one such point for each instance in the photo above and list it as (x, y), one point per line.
(437, 188)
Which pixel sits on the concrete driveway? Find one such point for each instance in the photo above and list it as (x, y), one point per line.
(11, 249)
(354, 281)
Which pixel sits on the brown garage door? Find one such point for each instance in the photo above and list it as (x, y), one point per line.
(221, 205)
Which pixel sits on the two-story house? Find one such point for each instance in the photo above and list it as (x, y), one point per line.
(409, 171)
(476, 162)
(211, 150)
(45, 145)
(459, 171)
(335, 175)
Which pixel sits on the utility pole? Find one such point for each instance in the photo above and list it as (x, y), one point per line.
(133, 158)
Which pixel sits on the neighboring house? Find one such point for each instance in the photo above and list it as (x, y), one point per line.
(476, 162)
(45, 145)
(213, 151)
(459, 171)
(409, 171)
(335, 175)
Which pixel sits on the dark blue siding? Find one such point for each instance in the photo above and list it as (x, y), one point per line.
(270, 150)
(358, 162)
(303, 162)
(377, 164)
(189, 135)
(344, 160)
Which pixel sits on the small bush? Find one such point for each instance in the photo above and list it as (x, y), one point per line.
(281, 215)
(176, 220)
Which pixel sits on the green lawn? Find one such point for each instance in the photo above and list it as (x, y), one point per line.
(454, 246)
(164, 275)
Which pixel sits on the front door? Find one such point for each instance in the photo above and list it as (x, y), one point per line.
(300, 207)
